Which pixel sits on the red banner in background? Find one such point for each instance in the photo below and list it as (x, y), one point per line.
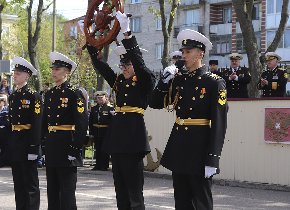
(277, 125)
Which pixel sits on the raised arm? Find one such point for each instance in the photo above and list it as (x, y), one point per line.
(101, 67)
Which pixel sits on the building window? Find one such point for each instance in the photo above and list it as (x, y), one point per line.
(135, 24)
(227, 15)
(159, 50)
(135, 1)
(285, 41)
(73, 33)
(256, 12)
(275, 6)
(223, 47)
(287, 38)
(192, 17)
(158, 23)
(175, 32)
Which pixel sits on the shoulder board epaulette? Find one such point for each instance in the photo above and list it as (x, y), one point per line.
(31, 91)
(281, 69)
(110, 105)
(212, 75)
(72, 88)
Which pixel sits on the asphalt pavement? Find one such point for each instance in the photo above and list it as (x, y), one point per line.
(95, 190)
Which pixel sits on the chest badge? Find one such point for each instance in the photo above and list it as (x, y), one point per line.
(202, 92)
(64, 102)
(25, 103)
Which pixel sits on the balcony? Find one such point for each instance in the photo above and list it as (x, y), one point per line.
(221, 29)
(219, 1)
(226, 28)
(189, 2)
(196, 27)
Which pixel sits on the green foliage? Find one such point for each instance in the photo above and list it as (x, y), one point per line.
(17, 43)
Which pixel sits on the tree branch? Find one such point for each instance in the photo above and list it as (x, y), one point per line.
(47, 7)
(282, 25)
(38, 21)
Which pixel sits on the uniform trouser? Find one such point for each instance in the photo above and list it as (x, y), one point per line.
(192, 192)
(128, 180)
(26, 185)
(102, 158)
(61, 187)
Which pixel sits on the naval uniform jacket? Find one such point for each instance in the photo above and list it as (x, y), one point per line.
(277, 80)
(4, 125)
(64, 105)
(237, 89)
(100, 115)
(198, 95)
(127, 132)
(24, 109)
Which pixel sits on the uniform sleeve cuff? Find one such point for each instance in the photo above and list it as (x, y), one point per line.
(212, 160)
(130, 44)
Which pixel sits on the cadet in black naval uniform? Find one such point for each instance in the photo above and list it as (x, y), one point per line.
(273, 81)
(25, 118)
(237, 78)
(194, 147)
(100, 118)
(127, 140)
(65, 126)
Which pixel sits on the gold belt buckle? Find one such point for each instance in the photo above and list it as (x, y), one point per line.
(51, 129)
(181, 121)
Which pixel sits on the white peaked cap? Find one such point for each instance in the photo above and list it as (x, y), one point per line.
(23, 65)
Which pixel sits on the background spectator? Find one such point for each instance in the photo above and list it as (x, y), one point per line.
(4, 87)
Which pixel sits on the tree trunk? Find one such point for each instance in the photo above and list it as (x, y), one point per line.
(33, 39)
(167, 28)
(1, 47)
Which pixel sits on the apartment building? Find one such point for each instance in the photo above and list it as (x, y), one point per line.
(216, 19)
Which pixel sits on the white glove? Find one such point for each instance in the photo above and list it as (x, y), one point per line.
(124, 21)
(71, 158)
(209, 171)
(43, 156)
(32, 156)
(112, 113)
(169, 73)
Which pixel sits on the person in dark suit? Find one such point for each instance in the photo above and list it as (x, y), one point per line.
(236, 77)
(273, 81)
(25, 120)
(194, 147)
(126, 141)
(65, 126)
(213, 67)
(4, 130)
(100, 118)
